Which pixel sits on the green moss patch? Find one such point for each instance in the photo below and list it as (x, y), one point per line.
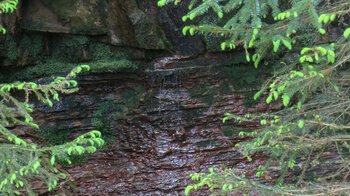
(62, 54)
(102, 118)
(131, 97)
(241, 75)
(206, 93)
(104, 66)
(54, 136)
(206, 143)
(10, 47)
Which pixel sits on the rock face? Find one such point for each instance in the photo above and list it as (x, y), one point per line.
(165, 124)
(160, 108)
(135, 24)
(123, 21)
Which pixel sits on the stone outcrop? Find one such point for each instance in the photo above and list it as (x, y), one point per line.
(156, 95)
(136, 25)
(165, 124)
(123, 22)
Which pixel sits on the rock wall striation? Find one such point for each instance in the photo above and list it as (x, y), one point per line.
(156, 95)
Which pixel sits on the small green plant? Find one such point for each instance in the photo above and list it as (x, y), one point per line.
(102, 118)
(22, 160)
(59, 136)
(312, 121)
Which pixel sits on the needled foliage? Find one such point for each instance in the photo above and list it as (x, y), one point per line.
(23, 160)
(59, 136)
(7, 7)
(309, 80)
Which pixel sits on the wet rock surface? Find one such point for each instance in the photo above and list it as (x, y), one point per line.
(161, 121)
(165, 124)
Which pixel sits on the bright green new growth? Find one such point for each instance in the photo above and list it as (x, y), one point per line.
(7, 6)
(22, 161)
(316, 98)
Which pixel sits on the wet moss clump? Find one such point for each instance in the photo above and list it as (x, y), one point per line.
(132, 97)
(54, 136)
(24, 50)
(71, 49)
(241, 75)
(201, 89)
(102, 118)
(198, 112)
(31, 47)
(105, 60)
(235, 80)
(48, 68)
(111, 66)
(61, 54)
(245, 80)
(114, 110)
(9, 47)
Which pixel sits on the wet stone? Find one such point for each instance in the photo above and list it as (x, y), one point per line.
(167, 133)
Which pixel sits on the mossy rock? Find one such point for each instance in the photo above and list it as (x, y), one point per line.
(73, 49)
(103, 115)
(148, 34)
(132, 97)
(241, 75)
(31, 49)
(66, 52)
(229, 130)
(49, 68)
(113, 66)
(206, 93)
(206, 143)
(83, 16)
(9, 48)
(54, 135)
(52, 68)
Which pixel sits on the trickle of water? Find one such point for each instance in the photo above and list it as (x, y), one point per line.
(165, 73)
(167, 62)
